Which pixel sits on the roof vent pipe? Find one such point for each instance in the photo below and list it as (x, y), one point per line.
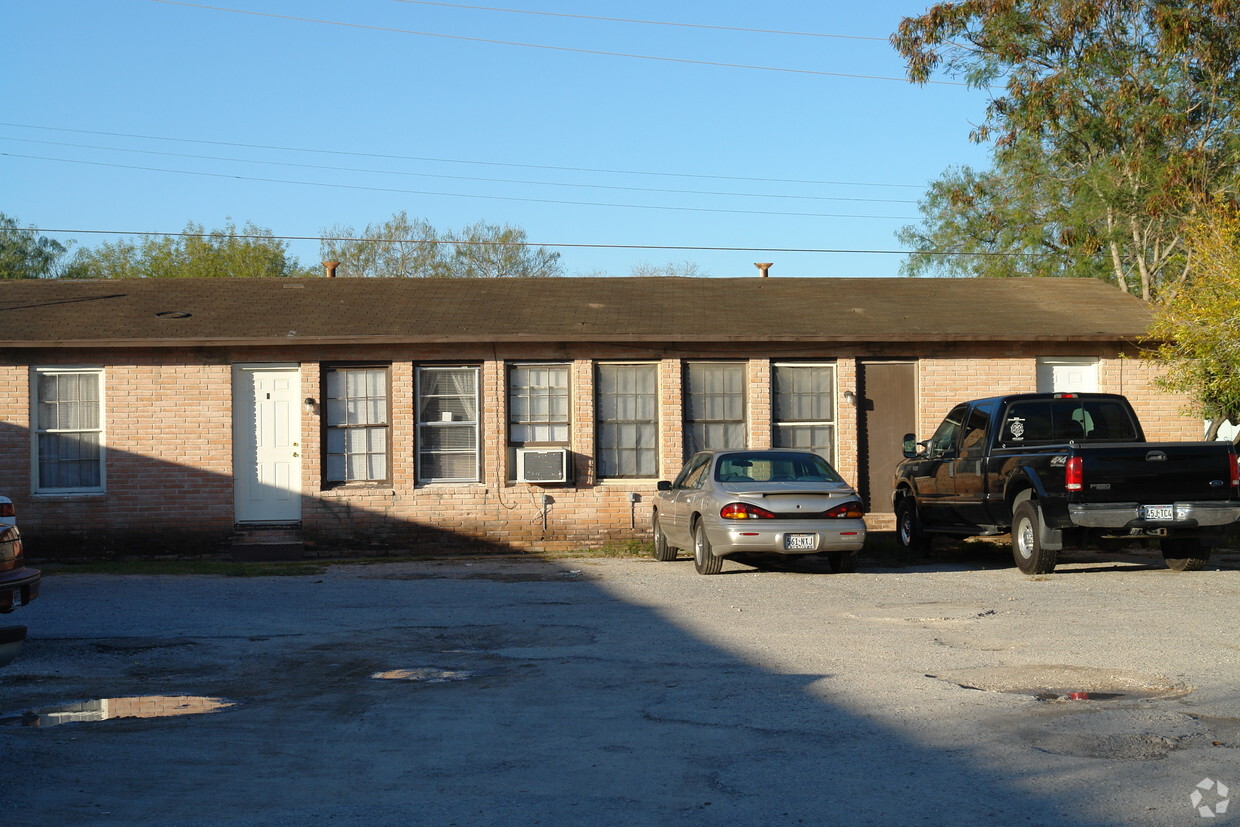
(764, 266)
(330, 267)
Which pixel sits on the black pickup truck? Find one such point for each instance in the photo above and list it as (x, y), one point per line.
(1058, 469)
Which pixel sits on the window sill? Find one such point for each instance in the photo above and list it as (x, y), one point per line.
(351, 489)
(65, 496)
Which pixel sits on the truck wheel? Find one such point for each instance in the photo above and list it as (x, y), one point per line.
(704, 560)
(1185, 553)
(662, 551)
(1027, 549)
(908, 527)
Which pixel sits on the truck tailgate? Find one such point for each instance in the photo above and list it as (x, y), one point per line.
(1154, 472)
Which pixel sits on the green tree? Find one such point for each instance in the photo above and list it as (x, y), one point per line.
(402, 247)
(250, 252)
(24, 254)
(1111, 122)
(1198, 329)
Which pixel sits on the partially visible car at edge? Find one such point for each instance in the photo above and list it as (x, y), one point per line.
(770, 501)
(18, 584)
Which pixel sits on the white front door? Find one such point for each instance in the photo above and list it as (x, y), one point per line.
(1067, 375)
(267, 443)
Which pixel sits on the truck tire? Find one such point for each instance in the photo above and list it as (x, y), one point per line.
(1027, 549)
(1185, 553)
(662, 551)
(704, 559)
(908, 527)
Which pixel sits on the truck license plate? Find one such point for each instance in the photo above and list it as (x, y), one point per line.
(1159, 512)
(798, 542)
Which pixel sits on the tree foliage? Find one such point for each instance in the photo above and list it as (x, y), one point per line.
(250, 252)
(1198, 329)
(402, 247)
(1111, 122)
(24, 254)
(686, 269)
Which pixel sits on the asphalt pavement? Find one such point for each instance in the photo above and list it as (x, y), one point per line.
(492, 691)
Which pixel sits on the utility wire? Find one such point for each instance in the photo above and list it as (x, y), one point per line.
(552, 48)
(698, 248)
(460, 161)
(456, 177)
(451, 194)
(645, 22)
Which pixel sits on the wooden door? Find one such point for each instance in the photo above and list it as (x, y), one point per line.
(886, 411)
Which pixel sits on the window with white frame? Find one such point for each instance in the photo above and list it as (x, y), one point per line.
(627, 433)
(68, 429)
(355, 424)
(448, 424)
(803, 408)
(538, 404)
(714, 407)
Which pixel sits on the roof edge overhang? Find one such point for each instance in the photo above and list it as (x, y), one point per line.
(473, 339)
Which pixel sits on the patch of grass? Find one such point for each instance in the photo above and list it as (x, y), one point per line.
(222, 568)
(622, 548)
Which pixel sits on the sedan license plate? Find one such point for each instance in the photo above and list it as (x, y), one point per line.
(800, 542)
(1158, 512)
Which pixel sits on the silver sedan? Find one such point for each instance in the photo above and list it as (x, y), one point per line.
(759, 502)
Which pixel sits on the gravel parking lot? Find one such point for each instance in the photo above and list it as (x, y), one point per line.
(625, 691)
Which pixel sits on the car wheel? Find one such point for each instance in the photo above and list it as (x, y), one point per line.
(662, 551)
(1185, 553)
(843, 562)
(1030, 556)
(908, 527)
(704, 559)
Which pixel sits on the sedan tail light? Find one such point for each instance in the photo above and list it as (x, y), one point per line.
(745, 511)
(848, 511)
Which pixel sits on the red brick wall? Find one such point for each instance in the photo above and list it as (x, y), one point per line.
(169, 443)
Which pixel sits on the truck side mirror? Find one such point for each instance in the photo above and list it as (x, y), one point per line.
(663, 485)
(910, 446)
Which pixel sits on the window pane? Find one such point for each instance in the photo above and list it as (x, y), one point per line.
(715, 407)
(447, 424)
(356, 410)
(538, 403)
(68, 419)
(627, 430)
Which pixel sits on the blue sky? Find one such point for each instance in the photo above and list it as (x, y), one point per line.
(141, 115)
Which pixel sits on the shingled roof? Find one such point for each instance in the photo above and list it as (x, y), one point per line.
(224, 311)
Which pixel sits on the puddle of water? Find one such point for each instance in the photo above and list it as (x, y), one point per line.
(104, 709)
(1068, 683)
(424, 674)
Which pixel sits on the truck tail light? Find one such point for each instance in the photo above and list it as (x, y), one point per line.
(1234, 463)
(7, 510)
(744, 511)
(1074, 474)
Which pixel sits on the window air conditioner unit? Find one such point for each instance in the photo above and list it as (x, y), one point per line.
(542, 465)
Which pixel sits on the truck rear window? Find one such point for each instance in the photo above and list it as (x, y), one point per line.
(1048, 421)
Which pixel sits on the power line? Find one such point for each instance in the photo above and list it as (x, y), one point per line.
(690, 247)
(551, 48)
(453, 194)
(458, 177)
(646, 22)
(460, 161)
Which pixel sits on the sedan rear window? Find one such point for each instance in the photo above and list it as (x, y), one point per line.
(775, 466)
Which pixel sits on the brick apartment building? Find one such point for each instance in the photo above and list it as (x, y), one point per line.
(364, 414)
